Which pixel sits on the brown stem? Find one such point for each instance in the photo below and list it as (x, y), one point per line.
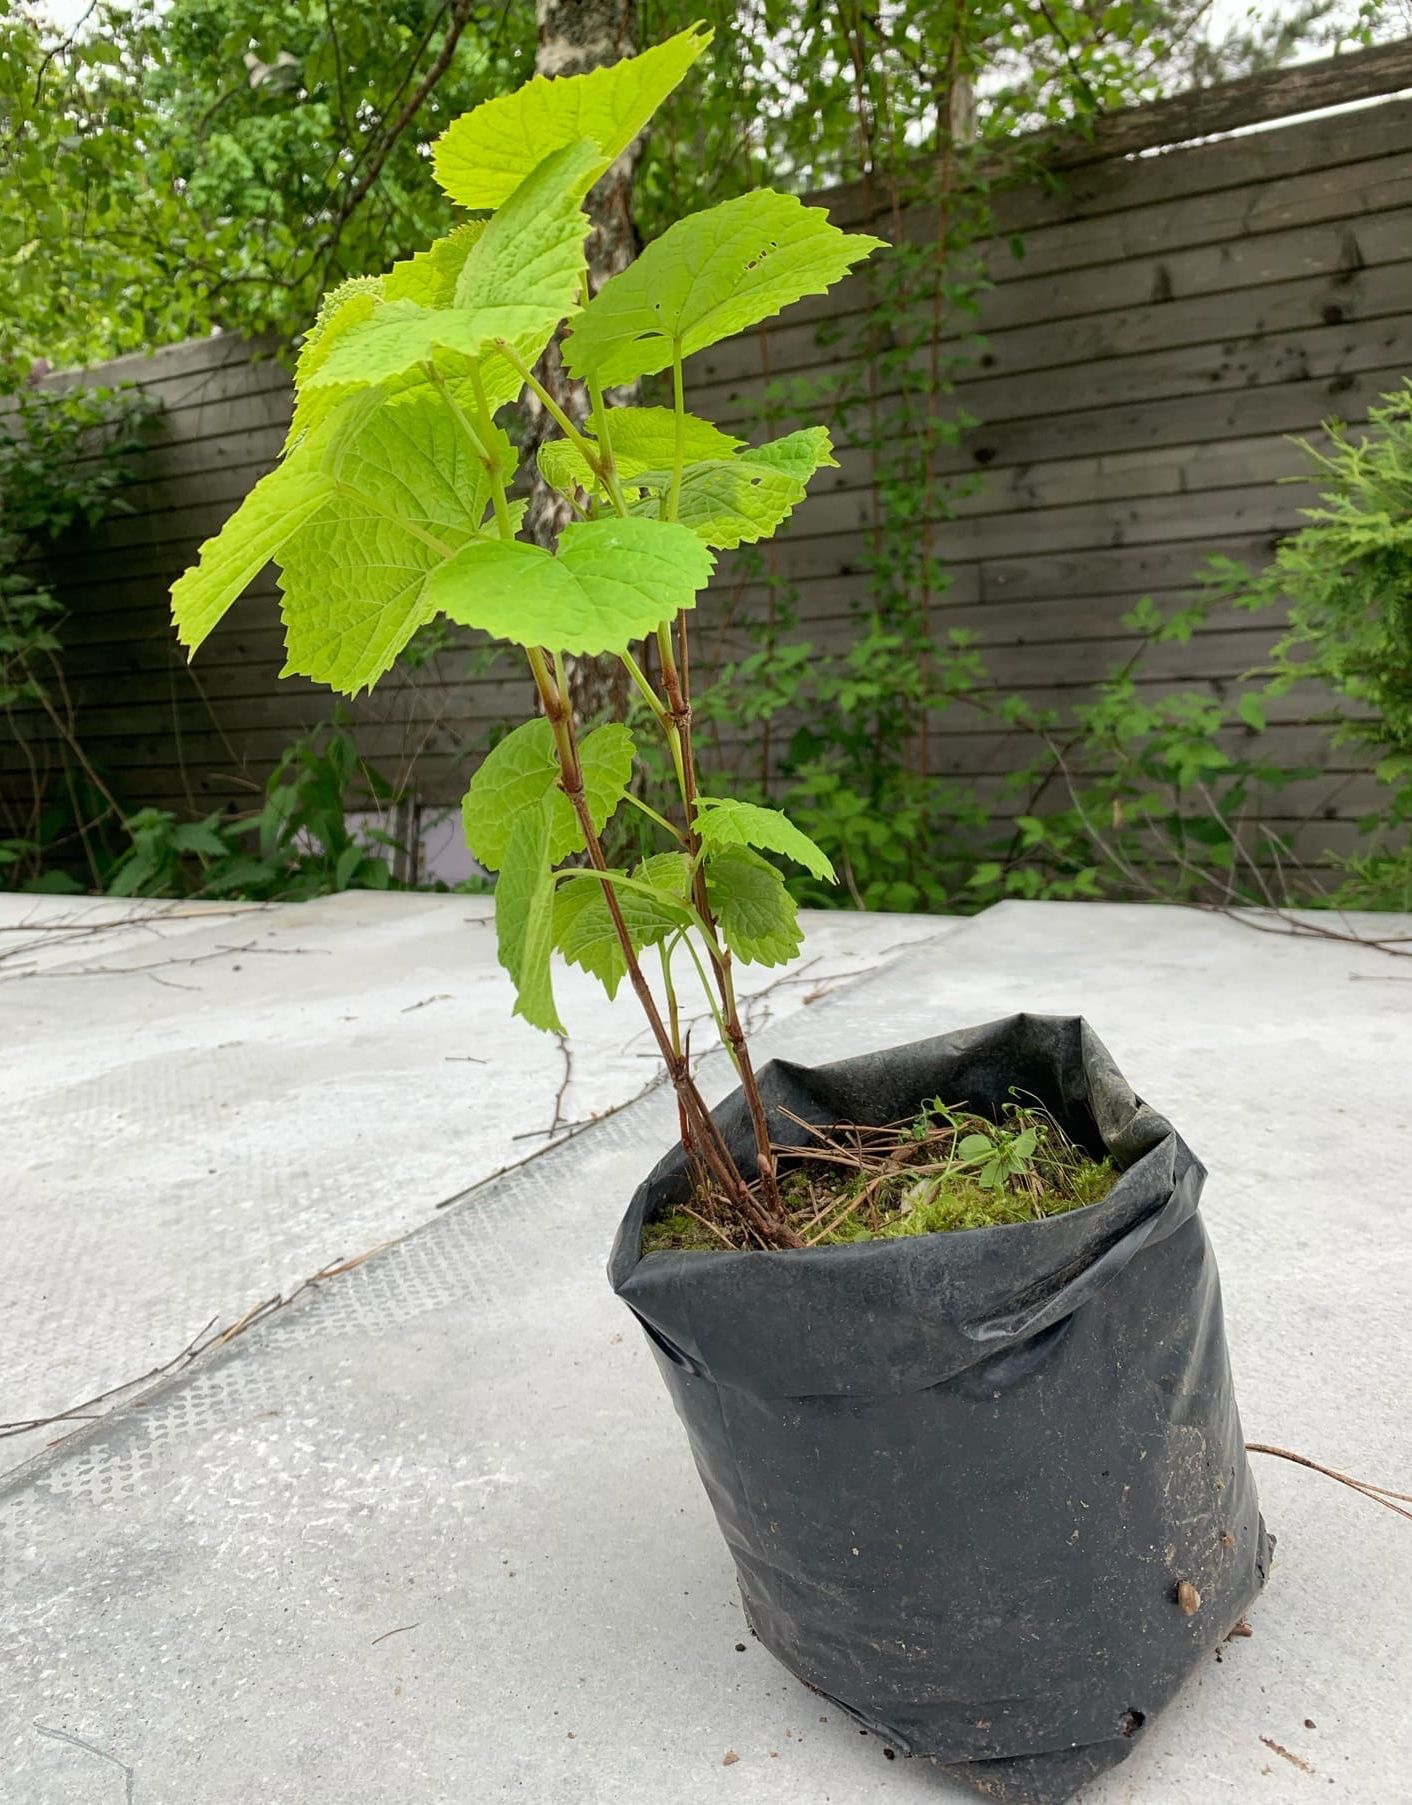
(769, 1227)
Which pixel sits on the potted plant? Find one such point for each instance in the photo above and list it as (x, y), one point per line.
(942, 1323)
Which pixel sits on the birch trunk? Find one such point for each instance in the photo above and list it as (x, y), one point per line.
(574, 37)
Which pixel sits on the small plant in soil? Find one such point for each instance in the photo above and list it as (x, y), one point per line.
(947, 1168)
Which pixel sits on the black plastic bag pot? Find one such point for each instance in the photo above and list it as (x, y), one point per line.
(974, 1483)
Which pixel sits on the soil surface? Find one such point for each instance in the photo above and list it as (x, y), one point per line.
(946, 1169)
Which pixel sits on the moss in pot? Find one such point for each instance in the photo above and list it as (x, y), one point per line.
(954, 1375)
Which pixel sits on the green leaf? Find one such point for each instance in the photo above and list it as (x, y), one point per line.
(521, 773)
(643, 438)
(273, 513)
(397, 336)
(1251, 710)
(524, 918)
(669, 873)
(429, 277)
(737, 501)
(611, 582)
(483, 157)
(564, 467)
(975, 1146)
(201, 837)
(525, 270)
(584, 931)
(797, 454)
(707, 277)
(351, 304)
(519, 279)
(722, 821)
(757, 916)
(354, 578)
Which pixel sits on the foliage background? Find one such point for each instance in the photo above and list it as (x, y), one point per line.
(215, 164)
(219, 163)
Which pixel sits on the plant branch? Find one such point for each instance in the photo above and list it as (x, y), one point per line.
(706, 1139)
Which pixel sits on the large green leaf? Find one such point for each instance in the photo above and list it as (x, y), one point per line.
(519, 278)
(643, 438)
(646, 436)
(524, 918)
(483, 157)
(398, 336)
(585, 933)
(739, 500)
(797, 454)
(611, 582)
(317, 406)
(722, 821)
(757, 916)
(351, 304)
(709, 276)
(274, 511)
(408, 491)
(728, 504)
(527, 267)
(429, 277)
(521, 772)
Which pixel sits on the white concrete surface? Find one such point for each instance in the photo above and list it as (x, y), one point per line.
(432, 1533)
(215, 1101)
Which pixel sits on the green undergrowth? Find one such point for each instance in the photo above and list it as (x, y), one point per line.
(948, 1168)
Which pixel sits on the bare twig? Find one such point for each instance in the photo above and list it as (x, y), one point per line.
(197, 1345)
(1294, 927)
(456, 24)
(1380, 1494)
(122, 971)
(202, 1343)
(564, 1083)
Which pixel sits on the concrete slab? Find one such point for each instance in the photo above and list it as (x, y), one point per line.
(216, 1101)
(432, 1533)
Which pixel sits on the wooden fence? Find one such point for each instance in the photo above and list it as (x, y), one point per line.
(1173, 319)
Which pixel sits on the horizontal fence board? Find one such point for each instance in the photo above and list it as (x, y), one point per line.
(1147, 235)
(1177, 469)
(968, 537)
(1092, 182)
(242, 661)
(1174, 373)
(1121, 308)
(1034, 674)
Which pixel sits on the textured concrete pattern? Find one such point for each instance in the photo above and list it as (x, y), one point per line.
(432, 1534)
(216, 1102)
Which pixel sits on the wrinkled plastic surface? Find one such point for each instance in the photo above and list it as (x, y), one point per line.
(963, 1475)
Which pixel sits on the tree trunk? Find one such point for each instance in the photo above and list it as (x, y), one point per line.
(575, 36)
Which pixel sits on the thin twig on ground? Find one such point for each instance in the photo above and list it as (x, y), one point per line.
(202, 1343)
(197, 1345)
(1380, 1494)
